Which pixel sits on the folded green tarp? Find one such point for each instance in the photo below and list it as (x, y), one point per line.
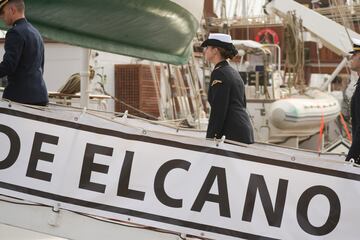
(158, 30)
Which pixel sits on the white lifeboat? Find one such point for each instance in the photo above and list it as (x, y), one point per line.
(304, 111)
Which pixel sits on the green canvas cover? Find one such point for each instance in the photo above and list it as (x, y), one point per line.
(158, 30)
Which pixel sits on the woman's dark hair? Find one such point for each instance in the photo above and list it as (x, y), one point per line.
(226, 53)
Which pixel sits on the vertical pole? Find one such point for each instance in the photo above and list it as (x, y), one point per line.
(84, 78)
(157, 89)
(257, 82)
(244, 9)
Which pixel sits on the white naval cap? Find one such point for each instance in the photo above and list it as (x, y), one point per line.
(221, 37)
(220, 40)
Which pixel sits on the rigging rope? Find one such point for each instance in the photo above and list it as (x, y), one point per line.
(321, 131)
(294, 52)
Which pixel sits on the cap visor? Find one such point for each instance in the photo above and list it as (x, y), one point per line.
(205, 43)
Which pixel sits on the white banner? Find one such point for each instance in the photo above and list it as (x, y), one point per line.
(107, 169)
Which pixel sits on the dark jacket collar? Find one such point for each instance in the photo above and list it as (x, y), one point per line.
(221, 64)
(20, 20)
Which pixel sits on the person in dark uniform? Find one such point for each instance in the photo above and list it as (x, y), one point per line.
(228, 116)
(354, 151)
(23, 61)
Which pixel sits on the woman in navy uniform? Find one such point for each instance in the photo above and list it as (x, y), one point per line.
(228, 116)
(354, 151)
(23, 61)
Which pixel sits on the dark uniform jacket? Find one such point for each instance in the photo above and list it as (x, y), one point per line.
(354, 151)
(228, 106)
(23, 64)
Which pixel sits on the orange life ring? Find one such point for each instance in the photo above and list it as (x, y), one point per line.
(267, 35)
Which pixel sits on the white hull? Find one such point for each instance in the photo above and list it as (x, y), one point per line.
(159, 177)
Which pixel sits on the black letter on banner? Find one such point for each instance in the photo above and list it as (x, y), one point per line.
(334, 214)
(37, 154)
(205, 195)
(273, 215)
(160, 181)
(14, 147)
(123, 188)
(89, 166)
